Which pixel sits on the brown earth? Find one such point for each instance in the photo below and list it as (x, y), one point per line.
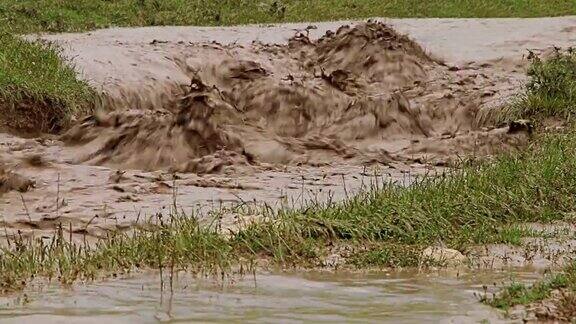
(31, 115)
(559, 307)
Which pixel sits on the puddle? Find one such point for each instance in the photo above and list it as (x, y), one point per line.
(397, 297)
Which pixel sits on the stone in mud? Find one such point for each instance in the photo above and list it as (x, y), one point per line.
(12, 181)
(442, 255)
(521, 125)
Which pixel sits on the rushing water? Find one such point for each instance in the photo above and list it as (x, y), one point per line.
(401, 297)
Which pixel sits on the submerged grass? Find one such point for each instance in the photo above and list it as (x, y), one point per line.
(564, 299)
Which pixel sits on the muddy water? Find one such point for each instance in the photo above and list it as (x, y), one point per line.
(401, 297)
(242, 122)
(106, 174)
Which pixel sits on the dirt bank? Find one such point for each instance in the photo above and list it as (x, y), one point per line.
(294, 117)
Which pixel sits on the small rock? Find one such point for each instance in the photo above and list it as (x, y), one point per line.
(333, 260)
(521, 125)
(488, 93)
(449, 257)
(116, 177)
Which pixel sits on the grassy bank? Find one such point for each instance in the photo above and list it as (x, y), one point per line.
(558, 290)
(550, 92)
(38, 92)
(75, 15)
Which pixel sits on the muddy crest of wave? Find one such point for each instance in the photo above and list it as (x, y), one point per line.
(358, 93)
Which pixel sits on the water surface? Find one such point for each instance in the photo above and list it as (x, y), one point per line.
(397, 297)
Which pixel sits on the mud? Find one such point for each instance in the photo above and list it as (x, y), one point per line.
(203, 119)
(550, 246)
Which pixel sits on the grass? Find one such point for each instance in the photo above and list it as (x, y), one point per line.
(37, 90)
(74, 15)
(467, 207)
(520, 294)
(550, 93)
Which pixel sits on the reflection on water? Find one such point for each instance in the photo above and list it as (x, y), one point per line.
(309, 297)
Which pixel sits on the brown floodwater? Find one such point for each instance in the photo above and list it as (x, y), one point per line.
(394, 297)
(142, 66)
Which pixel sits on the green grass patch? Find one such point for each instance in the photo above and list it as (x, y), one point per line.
(513, 235)
(38, 92)
(522, 294)
(386, 256)
(26, 16)
(550, 93)
(563, 301)
(465, 208)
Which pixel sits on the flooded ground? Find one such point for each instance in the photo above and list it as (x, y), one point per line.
(264, 117)
(397, 297)
(116, 166)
